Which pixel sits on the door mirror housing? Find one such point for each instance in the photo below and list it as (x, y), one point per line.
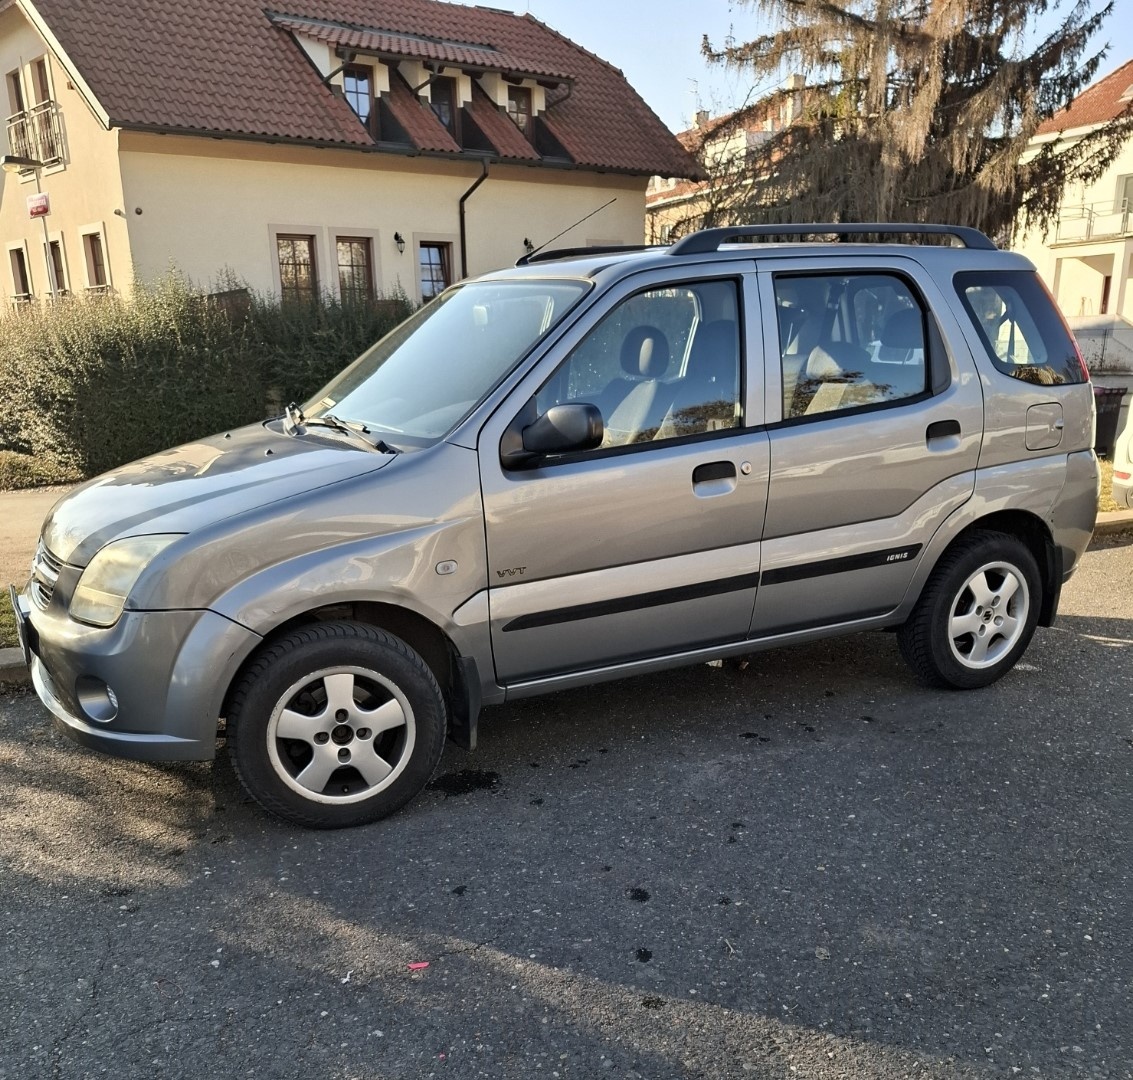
(562, 429)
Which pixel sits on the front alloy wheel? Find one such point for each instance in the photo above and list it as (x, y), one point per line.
(336, 724)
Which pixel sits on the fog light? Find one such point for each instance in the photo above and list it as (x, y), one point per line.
(96, 699)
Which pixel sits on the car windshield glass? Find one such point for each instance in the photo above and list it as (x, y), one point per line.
(417, 383)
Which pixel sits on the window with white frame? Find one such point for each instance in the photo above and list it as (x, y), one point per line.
(21, 280)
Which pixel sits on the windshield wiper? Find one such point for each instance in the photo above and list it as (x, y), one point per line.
(292, 419)
(294, 423)
(354, 430)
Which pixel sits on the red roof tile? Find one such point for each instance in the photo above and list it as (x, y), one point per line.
(393, 44)
(508, 140)
(420, 122)
(1098, 104)
(221, 67)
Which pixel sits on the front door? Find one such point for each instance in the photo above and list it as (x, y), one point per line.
(649, 544)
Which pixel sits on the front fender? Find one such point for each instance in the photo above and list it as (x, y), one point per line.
(399, 569)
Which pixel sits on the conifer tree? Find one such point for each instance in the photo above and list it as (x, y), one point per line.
(920, 110)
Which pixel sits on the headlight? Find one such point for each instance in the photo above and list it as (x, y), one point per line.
(111, 574)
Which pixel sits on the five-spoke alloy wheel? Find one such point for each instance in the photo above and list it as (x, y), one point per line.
(336, 724)
(977, 613)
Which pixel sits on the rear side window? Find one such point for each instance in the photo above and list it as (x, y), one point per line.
(1020, 327)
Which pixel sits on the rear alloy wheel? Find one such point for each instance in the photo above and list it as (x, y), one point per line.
(976, 615)
(337, 724)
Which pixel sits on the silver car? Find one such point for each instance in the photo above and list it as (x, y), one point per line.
(589, 466)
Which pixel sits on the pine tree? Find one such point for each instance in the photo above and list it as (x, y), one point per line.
(920, 110)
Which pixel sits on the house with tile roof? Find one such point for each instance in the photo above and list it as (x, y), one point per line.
(340, 146)
(1087, 258)
(726, 146)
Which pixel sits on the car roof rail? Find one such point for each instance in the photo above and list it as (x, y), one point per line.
(709, 240)
(575, 252)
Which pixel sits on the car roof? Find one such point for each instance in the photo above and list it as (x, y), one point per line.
(592, 263)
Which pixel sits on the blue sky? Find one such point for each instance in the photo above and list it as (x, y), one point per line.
(657, 44)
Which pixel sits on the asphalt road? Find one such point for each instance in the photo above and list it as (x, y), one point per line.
(807, 868)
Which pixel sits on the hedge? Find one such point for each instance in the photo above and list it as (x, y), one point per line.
(89, 383)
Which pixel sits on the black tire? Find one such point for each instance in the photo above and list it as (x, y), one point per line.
(988, 582)
(327, 769)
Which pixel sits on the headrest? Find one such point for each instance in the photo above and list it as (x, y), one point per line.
(836, 360)
(714, 357)
(904, 330)
(645, 352)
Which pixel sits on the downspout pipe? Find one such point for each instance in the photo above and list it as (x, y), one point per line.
(463, 230)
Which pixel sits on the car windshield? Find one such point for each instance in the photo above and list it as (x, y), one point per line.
(417, 383)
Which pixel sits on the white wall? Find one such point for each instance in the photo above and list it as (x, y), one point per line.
(208, 205)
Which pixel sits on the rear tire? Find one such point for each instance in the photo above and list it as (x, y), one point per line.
(337, 724)
(976, 615)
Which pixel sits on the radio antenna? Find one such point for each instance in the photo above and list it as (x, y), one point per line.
(574, 226)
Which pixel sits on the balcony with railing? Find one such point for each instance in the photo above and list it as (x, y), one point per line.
(1094, 221)
(36, 133)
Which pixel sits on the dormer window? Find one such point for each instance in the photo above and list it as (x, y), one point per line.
(442, 92)
(358, 88)
(519, 108)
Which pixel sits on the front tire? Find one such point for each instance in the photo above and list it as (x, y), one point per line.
(337, 724)
(977, 613)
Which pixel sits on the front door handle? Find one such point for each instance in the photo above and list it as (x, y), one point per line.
(713, 470)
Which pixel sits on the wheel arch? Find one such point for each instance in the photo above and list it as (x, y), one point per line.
(1033, 531)
(457, 675)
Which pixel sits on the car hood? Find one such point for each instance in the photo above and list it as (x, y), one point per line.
(200, 483)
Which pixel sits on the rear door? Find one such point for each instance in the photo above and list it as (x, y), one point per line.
(648, 545)
(875, 424)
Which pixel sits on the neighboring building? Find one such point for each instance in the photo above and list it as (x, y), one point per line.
(1085, 258)
(726, 146)
(347, 146)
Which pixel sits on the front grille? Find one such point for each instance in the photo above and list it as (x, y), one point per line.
(45, 569)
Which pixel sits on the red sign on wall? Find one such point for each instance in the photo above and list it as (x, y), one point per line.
(39, 205)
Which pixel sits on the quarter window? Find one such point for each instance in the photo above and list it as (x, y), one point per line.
(1020, 328)
(355, 269)
(434, 265)
(298, 276)
(848, 341)
(662, 365)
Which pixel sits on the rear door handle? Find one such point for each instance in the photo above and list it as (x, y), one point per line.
(713, 470)
(942, 429)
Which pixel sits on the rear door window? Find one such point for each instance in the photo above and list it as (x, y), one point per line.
(848, 341)
(1020, 328)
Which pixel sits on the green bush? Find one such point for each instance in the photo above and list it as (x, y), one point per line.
(91, 383)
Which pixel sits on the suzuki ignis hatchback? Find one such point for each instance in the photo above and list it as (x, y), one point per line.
(588, 466)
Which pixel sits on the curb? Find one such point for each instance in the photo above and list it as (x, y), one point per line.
(1113, 521)
(13, 671)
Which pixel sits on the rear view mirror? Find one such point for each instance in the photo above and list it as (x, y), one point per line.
(562, 429)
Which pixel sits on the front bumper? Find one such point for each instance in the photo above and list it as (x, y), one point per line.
(167, 672)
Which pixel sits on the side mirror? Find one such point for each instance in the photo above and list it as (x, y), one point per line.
(562, 429)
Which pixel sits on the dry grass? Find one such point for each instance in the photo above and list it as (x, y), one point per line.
(1105, 496)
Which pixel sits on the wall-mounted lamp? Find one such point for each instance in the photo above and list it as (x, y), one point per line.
(528, 246)
(399, 240)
